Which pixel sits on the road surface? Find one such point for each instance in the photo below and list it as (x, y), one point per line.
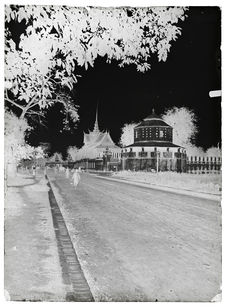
(140, 244)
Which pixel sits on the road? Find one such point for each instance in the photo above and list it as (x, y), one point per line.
(140, 244)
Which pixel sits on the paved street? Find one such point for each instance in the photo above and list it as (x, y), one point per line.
(139, 244)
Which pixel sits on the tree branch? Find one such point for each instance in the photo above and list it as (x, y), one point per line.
(31, 102)
(13, 102)
(41, 122)
(31, 112)
(34, 104)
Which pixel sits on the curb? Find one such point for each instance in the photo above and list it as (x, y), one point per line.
(191, 193)
(71, 269)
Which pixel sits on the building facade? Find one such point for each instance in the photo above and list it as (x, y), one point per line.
(99, 151)
(153, 148)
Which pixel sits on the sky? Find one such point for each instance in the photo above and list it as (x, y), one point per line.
(124, 95)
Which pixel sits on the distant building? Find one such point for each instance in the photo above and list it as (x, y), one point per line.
(153, 147)
(55, 159)
(99, 150)
(97, 142)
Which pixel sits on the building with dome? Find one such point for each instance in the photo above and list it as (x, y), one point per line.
(153, 147)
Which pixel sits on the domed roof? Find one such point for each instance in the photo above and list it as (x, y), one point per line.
(153, 120)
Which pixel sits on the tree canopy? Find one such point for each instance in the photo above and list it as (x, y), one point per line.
(58, 38)
(183, 121)
(127, 136)
(15, 146)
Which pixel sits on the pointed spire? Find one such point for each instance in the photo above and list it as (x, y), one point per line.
(96, 127)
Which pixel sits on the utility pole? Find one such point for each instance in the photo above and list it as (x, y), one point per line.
(157, 164)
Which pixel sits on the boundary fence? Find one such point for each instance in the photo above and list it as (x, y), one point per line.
(179, 163)
(203, 165)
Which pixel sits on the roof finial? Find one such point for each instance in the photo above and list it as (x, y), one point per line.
(96, 127)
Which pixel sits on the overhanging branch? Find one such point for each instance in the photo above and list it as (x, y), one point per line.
(13, 102)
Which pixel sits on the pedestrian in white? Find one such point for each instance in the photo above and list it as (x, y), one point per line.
(76, 178)
(61, 168)
(67, 172)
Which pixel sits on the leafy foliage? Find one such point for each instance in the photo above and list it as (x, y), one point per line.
(194, 151)
(15, 129)
(214, 152)
(71, 153)
(26, 151)
(84, 152)
(57, 38)
(127, 136)
(183, 121)
(199, 152)
(15, 147)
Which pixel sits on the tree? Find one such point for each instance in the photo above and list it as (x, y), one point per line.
(15, 147)
(57, 38)
(192, 150)
(183, 121)
(27, 152)
(15, 129)
(71, 152)
(127, 136)
(213, 152)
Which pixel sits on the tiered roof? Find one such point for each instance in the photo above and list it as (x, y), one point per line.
(97, 138)
(153, 120)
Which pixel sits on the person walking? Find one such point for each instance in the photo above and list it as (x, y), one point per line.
(67, 172)
(76, 178)
(34, 170)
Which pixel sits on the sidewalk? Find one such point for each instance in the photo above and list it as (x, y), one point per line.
(32, 268)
